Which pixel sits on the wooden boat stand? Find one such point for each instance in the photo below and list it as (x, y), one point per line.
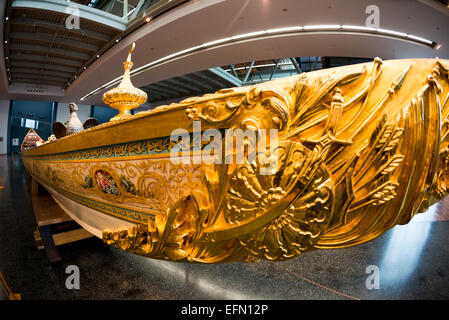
(5, 288)
(54, 226)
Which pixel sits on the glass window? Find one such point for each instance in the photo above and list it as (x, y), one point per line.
(30, 123)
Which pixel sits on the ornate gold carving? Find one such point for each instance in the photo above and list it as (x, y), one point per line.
(148, 186)
(360, 150)
(301, 189)
(168, 238)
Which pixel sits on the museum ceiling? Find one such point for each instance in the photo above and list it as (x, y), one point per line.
(41, 51)
(47, 43)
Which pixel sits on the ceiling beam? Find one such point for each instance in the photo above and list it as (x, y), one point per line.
(45, 59)
(137, 10)
(265, 76)
(164, 94)
(233, 71)
(171, 87)
(60, 74)
(232, 80)
(176, 82)
(51, 38)
(198, 82)
(296, 65)
(155, 97)
(171, 90)
(37, 81)
(42, 65)
(54, 26)
(274, 70)
(248, 72)
(43, 49)
(39, 74)
(315, 59)
(209, 79)
(152, 93)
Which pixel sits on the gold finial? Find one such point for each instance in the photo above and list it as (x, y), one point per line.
(125, 97)
(131, 51)
(128, 64)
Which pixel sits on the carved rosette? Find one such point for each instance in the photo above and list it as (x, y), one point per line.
(300, 192)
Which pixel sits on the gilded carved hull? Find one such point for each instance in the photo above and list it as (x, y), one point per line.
(361, 148)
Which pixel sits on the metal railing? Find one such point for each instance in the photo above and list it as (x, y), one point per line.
(131, 10)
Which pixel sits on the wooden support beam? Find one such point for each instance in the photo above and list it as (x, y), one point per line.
(70, 236)
(11, 295)
(49, 244)
(34, 187)
(47, 211)
(51, 219)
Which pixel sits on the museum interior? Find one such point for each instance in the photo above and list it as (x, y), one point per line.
(224, 149)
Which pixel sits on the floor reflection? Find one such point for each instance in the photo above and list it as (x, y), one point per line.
(191, 279)
(404, 247)
(432, 214)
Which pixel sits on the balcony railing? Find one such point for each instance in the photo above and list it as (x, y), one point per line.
(132, 10)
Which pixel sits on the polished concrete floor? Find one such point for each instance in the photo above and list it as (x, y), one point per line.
(413, 261)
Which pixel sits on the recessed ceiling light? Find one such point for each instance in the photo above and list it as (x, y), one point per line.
(98, 56)
(287, 29)
(361, 28)
(148, 19)
(396, 33)
(248, 35)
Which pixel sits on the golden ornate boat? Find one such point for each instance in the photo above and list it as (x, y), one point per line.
(360, 149)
